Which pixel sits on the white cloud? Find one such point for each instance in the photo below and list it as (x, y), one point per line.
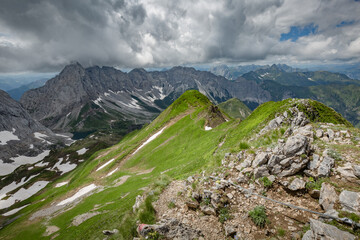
(153, 33)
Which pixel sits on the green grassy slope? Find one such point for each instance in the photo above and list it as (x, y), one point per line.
(235, 108)
(183, 148)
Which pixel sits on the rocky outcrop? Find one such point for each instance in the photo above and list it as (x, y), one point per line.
(350, 201)
(321, 230)
(328, 196)
(171, 229)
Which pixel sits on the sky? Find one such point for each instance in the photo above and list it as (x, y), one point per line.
(46, 35)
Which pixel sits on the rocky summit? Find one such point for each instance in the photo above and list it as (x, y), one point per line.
(289, 170)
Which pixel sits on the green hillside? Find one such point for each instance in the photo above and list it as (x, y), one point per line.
(235, 108)
(182, 147)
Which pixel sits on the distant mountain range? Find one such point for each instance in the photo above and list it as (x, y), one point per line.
(16, 93)
(88, 99)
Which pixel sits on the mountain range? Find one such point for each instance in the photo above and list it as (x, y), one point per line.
(83, 100)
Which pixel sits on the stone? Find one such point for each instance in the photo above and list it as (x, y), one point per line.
(247, 170)
(325, 166)
(110, 232)
(314, 163)
(296, 185)
(139, 199)
(275, 159)
(192, 205)
(207, 194)
(208, 210)
(229, 230)
(346, 171)
(261, 172)
(331, 134)
(286, 162)
(260, 159)
(350, 201)
(319, 133)
(297, 144)
(328, 196)
(272, 178)
(305, 131)
(314, 193)
(356, 169)
(190, 179)
(320, 230)
(294, 168)
(333, 213)
(196, 196)
(242, 178)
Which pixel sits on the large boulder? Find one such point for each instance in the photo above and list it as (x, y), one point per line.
(328, 196)
(320, 230)
(297, 144)
(260, 159)
(350, 201)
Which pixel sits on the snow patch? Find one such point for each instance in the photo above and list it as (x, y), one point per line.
(31, 146)
(14, 210)
(6, 168)
(149, 140)
(63, 168)
(132, 104)
(77, 195)
(61, 184)
(41, 137)
(41, 164)
(67, 115)
(82, 151)
(106, 94)
(161, 90)
(23, 194)
(105, 164)
(112, 172)
(6, 136)
(97, 102)
(207, 128)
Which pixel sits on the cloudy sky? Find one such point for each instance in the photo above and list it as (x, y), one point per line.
(45, 35)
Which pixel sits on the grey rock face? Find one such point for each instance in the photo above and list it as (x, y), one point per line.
(261, 172)
(350, 201)
(20, 127)
(356, 170)
(328, 196)
(321, 230)
(260, 159)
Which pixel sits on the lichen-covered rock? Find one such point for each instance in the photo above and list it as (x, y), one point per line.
(261, 172)
(320, 230)
(350, 201)
(328, 196)
(296, 185)
(325, 166)
(260, 159)
(297, 144)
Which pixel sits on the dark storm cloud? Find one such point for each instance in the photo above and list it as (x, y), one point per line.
(43, 35)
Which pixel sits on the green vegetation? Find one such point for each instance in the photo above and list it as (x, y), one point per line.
(281, 232)
(235, 108)
(352, 216)
(171, 205)
(258, 216)
(224, 214)
(266, 182)
(316, 185)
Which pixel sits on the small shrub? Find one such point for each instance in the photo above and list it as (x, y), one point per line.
(206, 201)
(316, 185)
(153, 235)
(244, 145)
(281, 232)
(171, 205)
(335, 155)
(179, 193)
(266, 182)
(193, 185)
(224, 214)
(258, 216)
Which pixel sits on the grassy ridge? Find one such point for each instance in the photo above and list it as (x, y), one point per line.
(183, 148)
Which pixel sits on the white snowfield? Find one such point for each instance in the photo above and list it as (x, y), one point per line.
(150, 139)
(61, 184)
(77, 195)
(14, 185)
(105, 164)
(82, 151)
(23, 194)
(207, 128)
(15, 210)
(6, 136)
(7, 168)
